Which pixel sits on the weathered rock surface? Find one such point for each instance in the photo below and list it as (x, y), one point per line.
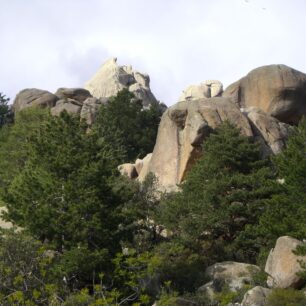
(182, 129)
(142, 164)
(276, 89)
(234, 274)
(207, 89)
(282, 264)
(78, 94)
(128, 170)
(256, 296)
(71, 106)
(271, 133)
(90, 109)
(111, 78)
(34, 97)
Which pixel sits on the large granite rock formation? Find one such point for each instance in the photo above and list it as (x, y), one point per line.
(276, 89)
(283, 265)
(185, 125)
(34, 97)
(111, 78)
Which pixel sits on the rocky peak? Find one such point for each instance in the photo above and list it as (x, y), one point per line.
(111, 78)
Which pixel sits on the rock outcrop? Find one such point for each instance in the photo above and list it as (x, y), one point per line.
(71, 106)
(182, 130)
(256, 296)
(128, 170)
(283, 265)
(207, 89)
(78, 94)
(34, 97)
(111, 78)
(231, 275)
(278, 90)
(271, 133)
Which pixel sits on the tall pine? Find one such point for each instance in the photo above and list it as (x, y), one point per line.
(223, 193)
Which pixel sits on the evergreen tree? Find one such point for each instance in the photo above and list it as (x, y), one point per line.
(15, 143)
(223, 192)
(5, 113)
(66, 195)
(285, 213)
(124, 121)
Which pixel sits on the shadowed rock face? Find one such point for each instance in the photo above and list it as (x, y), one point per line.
(34, 97)
(182, 130)
(276, 89)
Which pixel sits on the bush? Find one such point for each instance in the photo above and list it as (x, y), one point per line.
(286, 297)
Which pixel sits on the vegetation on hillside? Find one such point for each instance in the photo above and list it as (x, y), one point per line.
(92, 237)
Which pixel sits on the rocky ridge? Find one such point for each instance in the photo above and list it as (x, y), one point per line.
(264, 105)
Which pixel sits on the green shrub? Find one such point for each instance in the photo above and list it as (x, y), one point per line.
(286, 297)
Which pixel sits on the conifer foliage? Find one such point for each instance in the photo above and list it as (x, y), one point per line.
(224, 192)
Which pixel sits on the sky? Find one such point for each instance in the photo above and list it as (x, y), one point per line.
(48, 44)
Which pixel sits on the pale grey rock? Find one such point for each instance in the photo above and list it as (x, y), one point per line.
(142, 166)
(256, 296)
(90, 109)
(111, 78)
(216, 87)
(128, 170)
(182, 129)
(231, 275)
(283, 265)
(207, 89)
(33, 97)
(78, 94)
(270, 132)
(276, 89)
(69, 105)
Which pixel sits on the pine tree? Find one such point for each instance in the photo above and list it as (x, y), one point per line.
(5, 113)
(65, 195)
(124, 121)
(223, 192)
(286, 211)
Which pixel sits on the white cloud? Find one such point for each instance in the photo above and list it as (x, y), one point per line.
(54, 43)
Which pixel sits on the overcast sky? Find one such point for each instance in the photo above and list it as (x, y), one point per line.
(61, 43)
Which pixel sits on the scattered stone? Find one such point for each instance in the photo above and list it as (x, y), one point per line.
(283, 265)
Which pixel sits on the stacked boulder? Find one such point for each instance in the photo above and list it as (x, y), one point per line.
(107, 82)
(111, 78)
(264, 105)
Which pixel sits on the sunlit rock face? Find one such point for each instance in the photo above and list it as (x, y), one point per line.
(111, 78)
(278, 90)
(207, 89)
